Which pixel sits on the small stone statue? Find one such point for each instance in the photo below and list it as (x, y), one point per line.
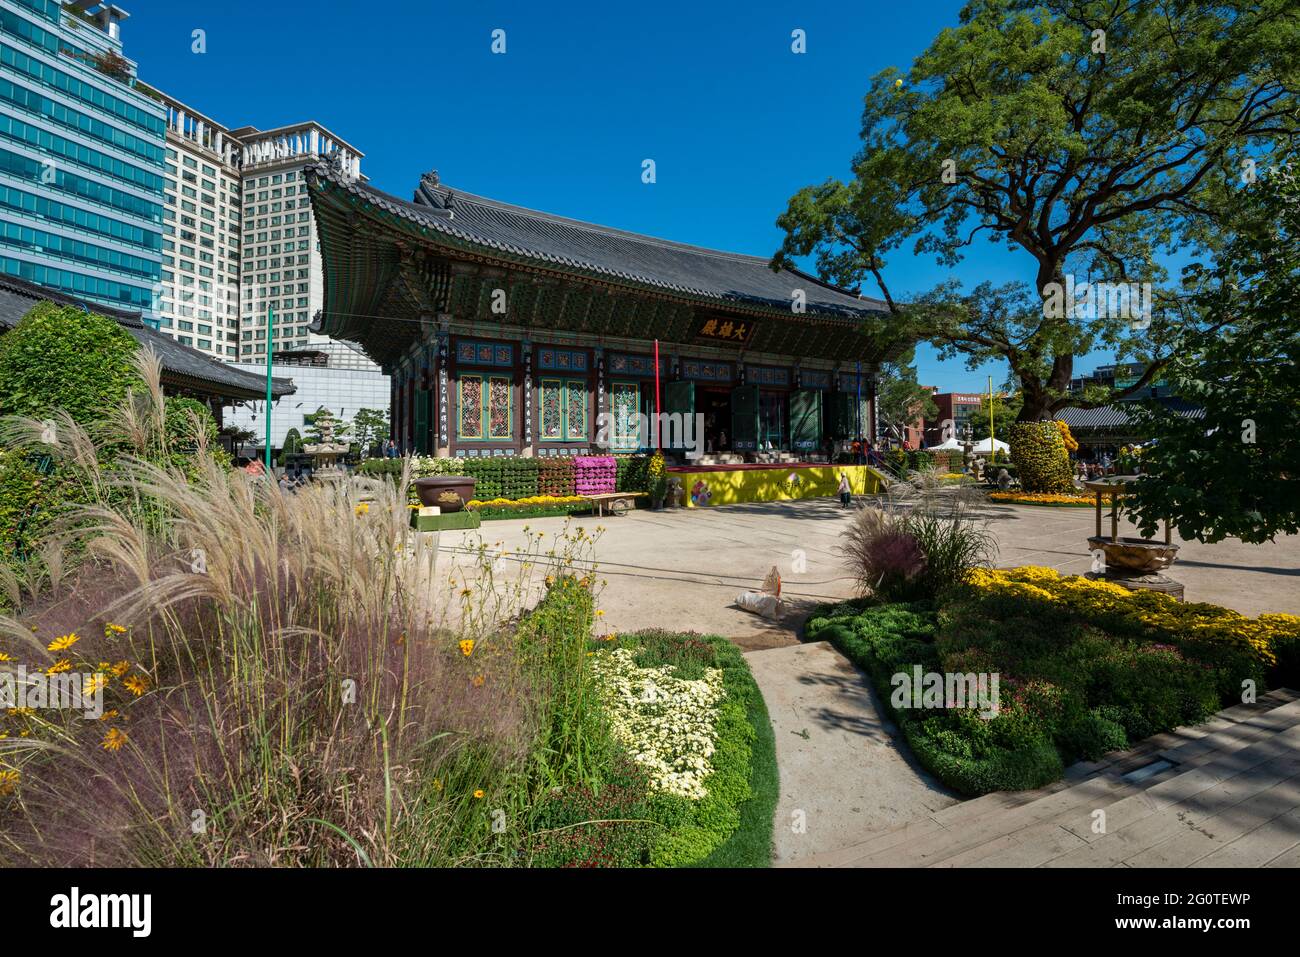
(676, 494)
(1004, 480)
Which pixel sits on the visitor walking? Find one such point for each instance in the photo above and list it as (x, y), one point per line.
(846, 491)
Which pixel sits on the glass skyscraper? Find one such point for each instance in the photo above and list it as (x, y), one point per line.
(82, 155)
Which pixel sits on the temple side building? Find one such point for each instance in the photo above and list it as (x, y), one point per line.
(508, 331)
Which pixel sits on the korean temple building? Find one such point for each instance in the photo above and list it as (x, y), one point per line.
(508, 331)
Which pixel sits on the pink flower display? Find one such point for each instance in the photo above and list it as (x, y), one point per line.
(594, 474)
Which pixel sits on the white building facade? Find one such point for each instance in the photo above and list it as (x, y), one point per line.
(198, 304)
(343, 391)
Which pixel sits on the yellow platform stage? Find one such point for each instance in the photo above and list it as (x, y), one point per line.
(730, 485)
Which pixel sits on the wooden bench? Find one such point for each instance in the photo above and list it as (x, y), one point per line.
(617, 502)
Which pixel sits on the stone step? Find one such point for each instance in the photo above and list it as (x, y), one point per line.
(884, 841)
(1072, 831)
(1203, 820)
(1094, 792)
(1248, 753)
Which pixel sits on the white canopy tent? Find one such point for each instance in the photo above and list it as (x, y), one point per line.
(979, 448)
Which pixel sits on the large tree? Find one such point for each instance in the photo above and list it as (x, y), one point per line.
(1100, 137)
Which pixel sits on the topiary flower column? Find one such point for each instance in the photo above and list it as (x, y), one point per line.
(1038, 452)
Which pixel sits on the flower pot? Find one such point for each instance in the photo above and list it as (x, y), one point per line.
(1134, 556)
(447, 492)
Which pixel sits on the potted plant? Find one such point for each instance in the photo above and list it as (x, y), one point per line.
(657, 475)
(447, 492)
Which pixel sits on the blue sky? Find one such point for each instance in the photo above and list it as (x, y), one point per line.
(734, 121)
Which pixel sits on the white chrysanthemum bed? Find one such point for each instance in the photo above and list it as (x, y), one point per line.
(667, 724)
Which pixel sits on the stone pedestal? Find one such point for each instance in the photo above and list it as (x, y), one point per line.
(1154, 582)
(434, 520)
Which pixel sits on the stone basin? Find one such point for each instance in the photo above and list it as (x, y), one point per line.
(1137, 556)
(448, 492)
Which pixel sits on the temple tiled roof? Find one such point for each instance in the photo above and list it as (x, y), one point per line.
(1110, 417)
(182, 367)
(706, 274)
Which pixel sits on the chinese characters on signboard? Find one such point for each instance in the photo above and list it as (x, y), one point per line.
(735, 331)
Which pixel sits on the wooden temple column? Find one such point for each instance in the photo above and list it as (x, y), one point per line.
(442, 354)
(599, 418)
(526, 358)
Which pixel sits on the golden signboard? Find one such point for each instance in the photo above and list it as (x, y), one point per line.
(737, 332)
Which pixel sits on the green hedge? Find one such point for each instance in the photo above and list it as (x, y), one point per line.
(1071, 686)
(488, 513)
(519, 477)
(632, 473)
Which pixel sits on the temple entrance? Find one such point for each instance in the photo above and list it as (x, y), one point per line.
(715, 404)
(773, 422)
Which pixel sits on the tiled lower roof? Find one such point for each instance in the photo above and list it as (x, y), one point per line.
(1116, 417)
(182, 366)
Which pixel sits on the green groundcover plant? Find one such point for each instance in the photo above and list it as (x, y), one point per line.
(630, 819)
(1081, 671)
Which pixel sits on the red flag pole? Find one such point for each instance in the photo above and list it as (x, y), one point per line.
(658, 419)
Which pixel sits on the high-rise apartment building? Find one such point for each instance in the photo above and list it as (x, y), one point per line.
(199, 301)
(241, 240)
(281, 268)
(82, 152)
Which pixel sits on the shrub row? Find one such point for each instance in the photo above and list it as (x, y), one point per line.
(517, 477)
(1082, 671)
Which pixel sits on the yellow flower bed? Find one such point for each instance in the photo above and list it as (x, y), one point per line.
(523, 502)
(1042, 498)
(1167, 616)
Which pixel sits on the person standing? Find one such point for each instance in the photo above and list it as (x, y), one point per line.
(846, 491)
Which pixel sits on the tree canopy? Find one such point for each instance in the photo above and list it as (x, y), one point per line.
(1099, 138)
(1236, 471)
(60, 357)
(902, 401)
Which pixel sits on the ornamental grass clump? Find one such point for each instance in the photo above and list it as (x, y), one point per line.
(903, 554)
(277, 688)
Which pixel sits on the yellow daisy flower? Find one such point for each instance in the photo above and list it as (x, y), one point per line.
(65, 642)
(136, 684)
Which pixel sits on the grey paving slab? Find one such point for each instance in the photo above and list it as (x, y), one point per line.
(844, 774)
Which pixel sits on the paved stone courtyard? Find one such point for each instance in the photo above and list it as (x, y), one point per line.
(848, 782)
(683, 568)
